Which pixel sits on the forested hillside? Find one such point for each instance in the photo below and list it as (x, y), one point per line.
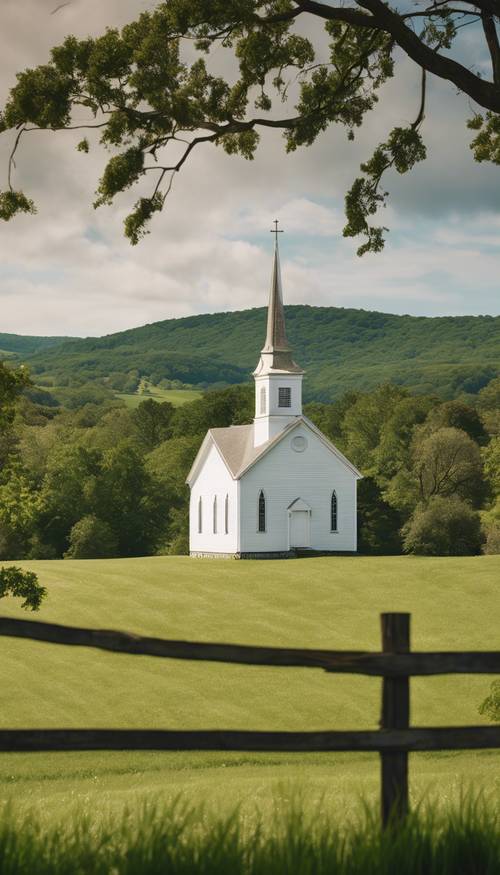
(340, 348)
(19, 345)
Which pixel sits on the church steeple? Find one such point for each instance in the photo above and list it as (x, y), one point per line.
(278, 379)
(276, 354)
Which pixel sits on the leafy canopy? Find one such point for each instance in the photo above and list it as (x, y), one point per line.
(23, 584)
(153, 108)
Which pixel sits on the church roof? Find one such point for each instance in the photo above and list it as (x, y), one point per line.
(235, 445)
(276, 354)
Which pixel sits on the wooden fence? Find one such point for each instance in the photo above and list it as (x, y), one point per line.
(393, 741)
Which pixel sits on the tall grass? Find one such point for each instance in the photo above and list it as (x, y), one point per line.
(180, 839)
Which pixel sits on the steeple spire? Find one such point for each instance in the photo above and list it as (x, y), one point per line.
(276, 354)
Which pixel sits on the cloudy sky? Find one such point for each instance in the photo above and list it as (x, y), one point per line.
(69, 270)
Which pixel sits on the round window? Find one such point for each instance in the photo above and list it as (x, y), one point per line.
(299, 443)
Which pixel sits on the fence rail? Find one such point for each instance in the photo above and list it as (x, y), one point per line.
(428, 738)
(383, 664)
(395, 664)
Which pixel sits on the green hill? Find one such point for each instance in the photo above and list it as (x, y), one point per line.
(20, 345)
(340, 348)
(324, 602)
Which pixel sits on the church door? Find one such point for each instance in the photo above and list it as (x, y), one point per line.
(299, 529)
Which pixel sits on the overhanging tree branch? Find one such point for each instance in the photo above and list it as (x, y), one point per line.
(151, 97)
(490, 32)
(383, 18)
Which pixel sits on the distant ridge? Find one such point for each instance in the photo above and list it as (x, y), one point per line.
(340, 348)
(21, 344)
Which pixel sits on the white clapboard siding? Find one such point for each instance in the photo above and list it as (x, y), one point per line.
(213, 480)
(285, 475)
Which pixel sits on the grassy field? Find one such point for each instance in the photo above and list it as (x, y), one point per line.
(177, 397)
(321, 602)
(184, 839)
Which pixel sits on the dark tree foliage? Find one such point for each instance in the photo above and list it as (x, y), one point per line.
(22, 584)
(233, 406)
(457, 414)
(12, 383)
(152, 108)
(71, 470)
(129, 501)
(92, 538)
(153, 422)
(378, 523)
(448, 462)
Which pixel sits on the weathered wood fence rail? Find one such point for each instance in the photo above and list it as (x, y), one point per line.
(395, 664)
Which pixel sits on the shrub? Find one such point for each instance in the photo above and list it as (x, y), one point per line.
(443, 527)
(91, 538)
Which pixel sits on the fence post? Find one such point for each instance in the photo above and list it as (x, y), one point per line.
(395, 715)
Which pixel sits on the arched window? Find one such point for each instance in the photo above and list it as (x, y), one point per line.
(333, 512)
(226, 515)
(215, 514)
(263, 400)
(200, 516)
(262, 511)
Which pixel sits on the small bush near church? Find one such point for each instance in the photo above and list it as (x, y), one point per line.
(443, 527)
(91, 538)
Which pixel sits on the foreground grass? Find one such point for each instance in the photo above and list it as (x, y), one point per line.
(57, 784)
(183, 840)
(323, 602)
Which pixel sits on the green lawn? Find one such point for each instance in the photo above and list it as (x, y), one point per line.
(177, 397)
(321, 602)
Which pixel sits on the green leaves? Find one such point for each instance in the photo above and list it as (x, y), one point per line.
(245, 143)
(12, 384)
(136, 223)
(22, 584)
(14, 202)
(403, 149)
(41, 97)
(486, 145)
(363, 200)
(120, 173)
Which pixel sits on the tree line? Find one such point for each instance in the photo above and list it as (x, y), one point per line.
(102, 480)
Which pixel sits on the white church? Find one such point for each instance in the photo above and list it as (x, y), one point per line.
(278, 487)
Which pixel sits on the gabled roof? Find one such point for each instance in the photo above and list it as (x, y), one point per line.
(235, 446)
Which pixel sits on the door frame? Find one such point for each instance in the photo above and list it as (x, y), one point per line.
(299, 505)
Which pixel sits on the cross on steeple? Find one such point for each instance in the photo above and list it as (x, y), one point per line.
(276, 231)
